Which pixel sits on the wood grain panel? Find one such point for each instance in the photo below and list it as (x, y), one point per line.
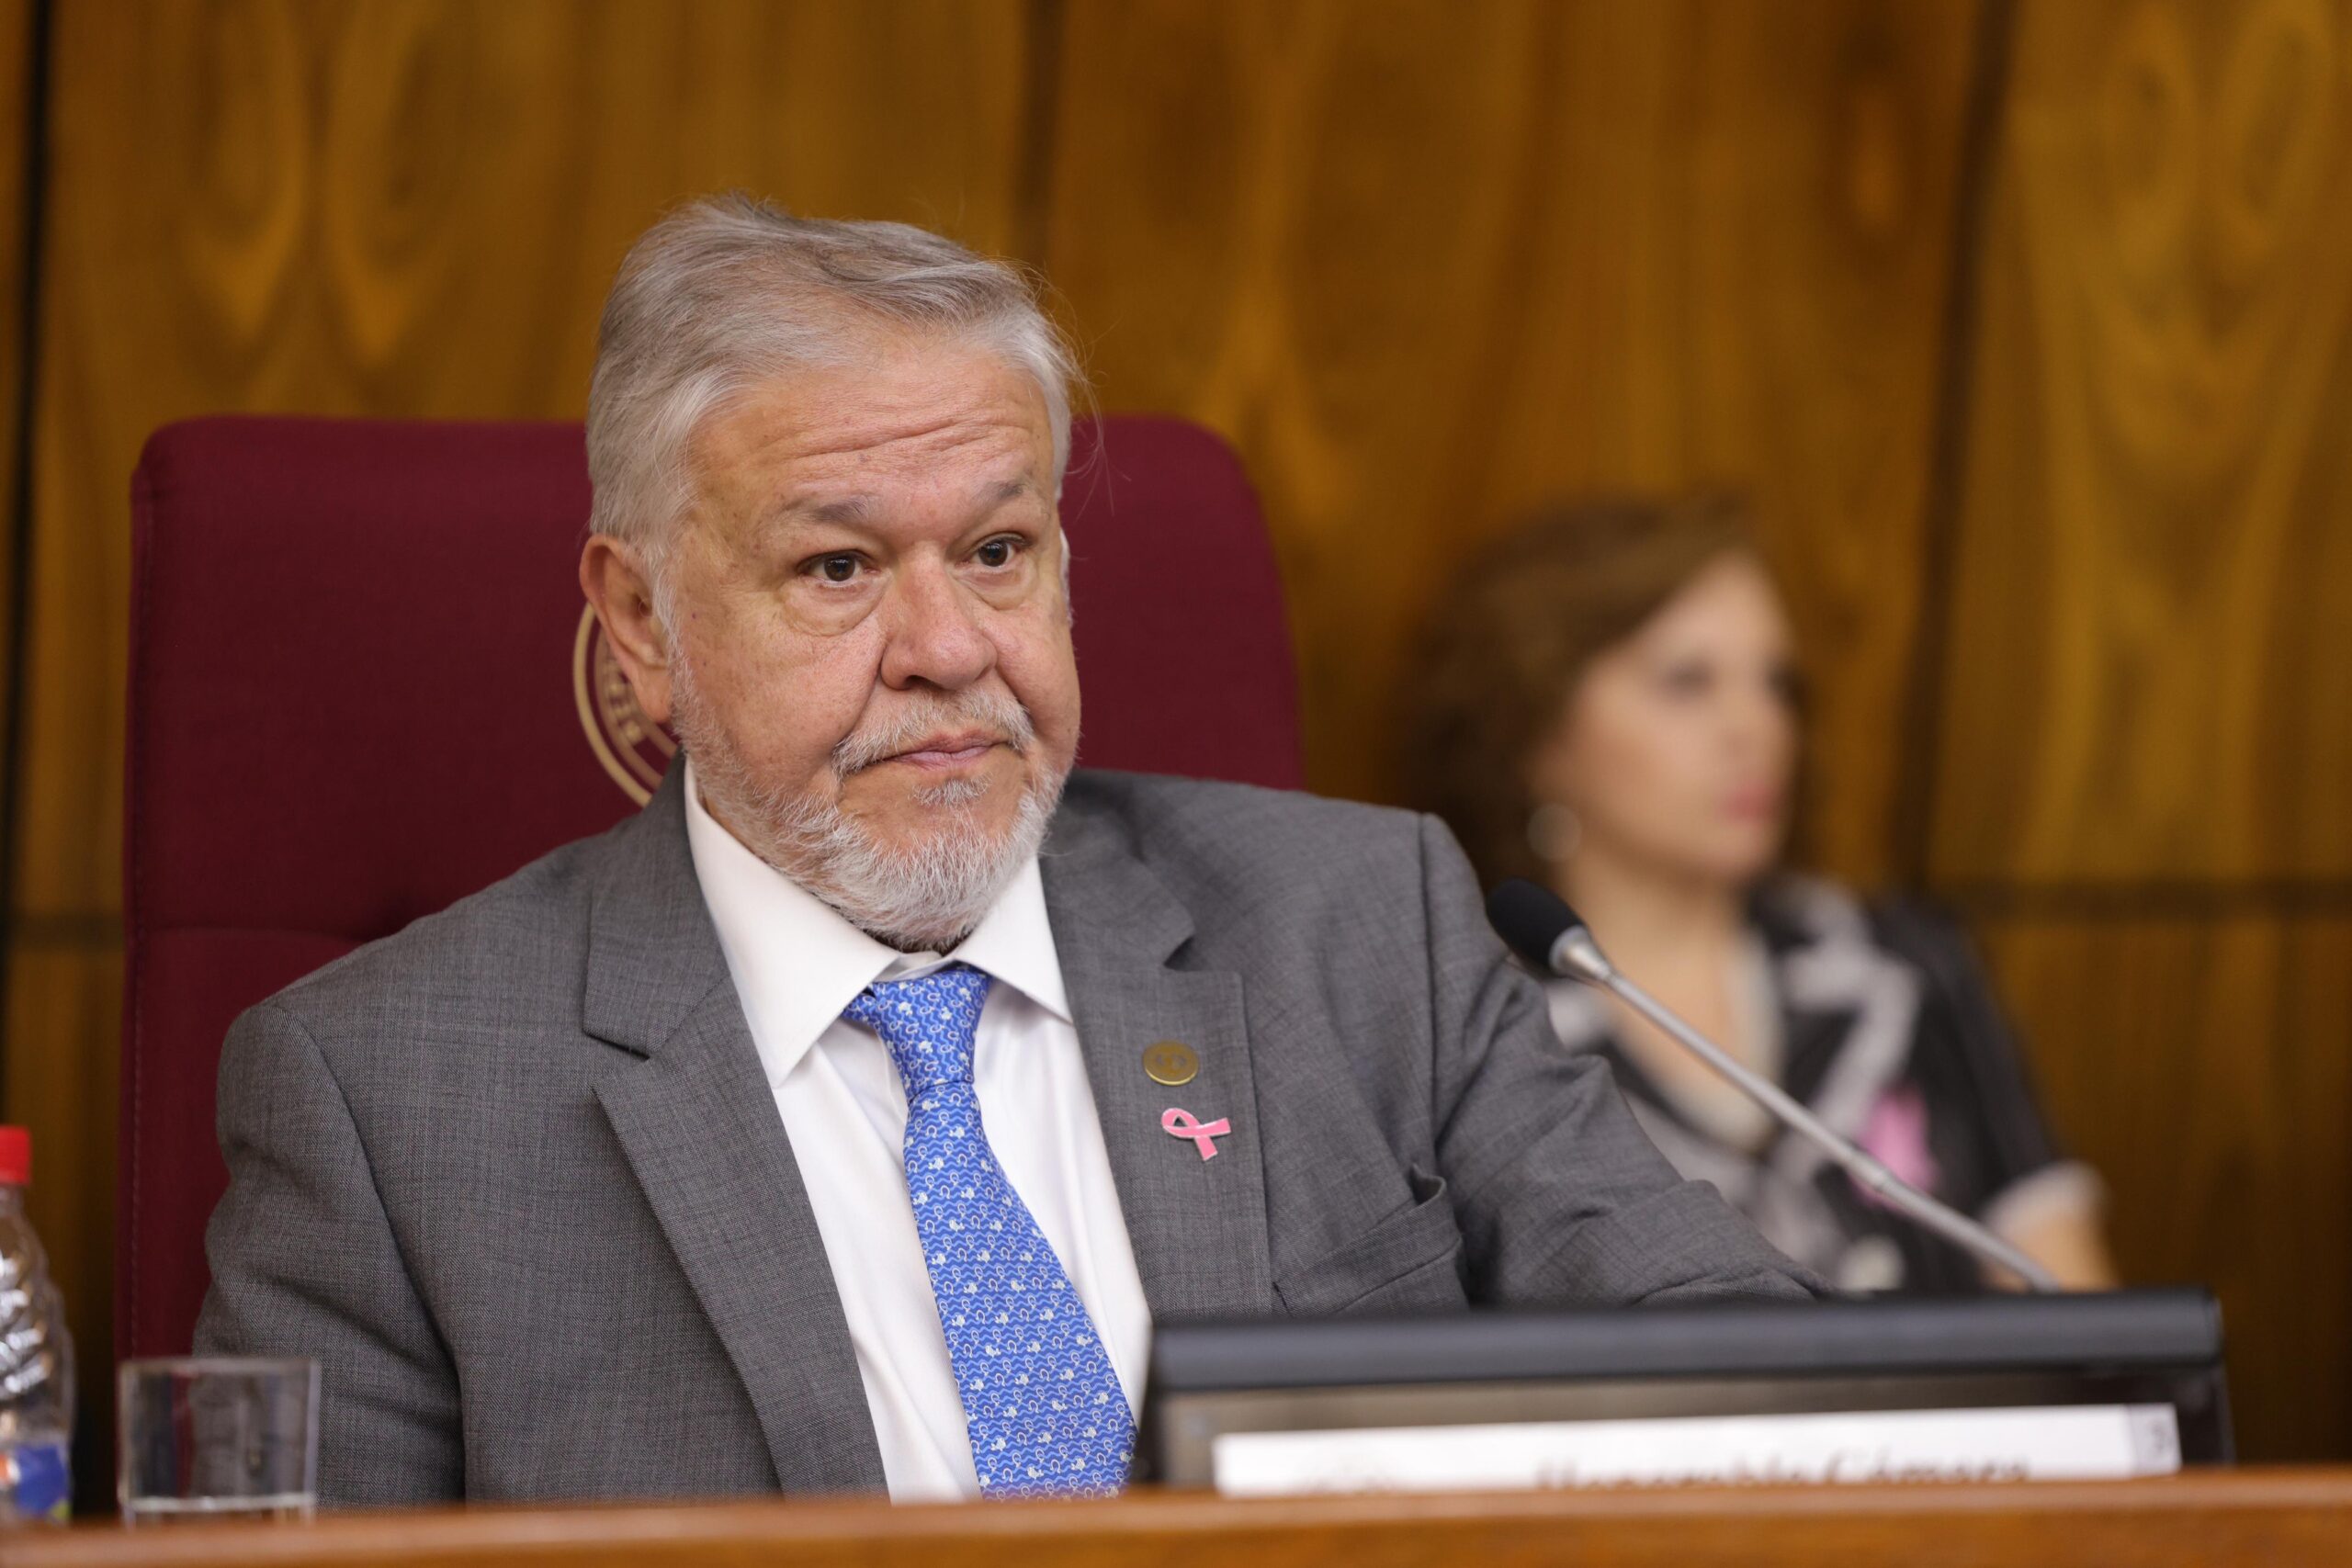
(2151, 669)
(16, 90)
(16, 85)
(1426, 265)
(413, 210)
(2203, 1066)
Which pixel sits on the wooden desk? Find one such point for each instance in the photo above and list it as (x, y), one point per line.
(2265, 1516)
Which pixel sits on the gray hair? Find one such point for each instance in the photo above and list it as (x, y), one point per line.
(729, 290)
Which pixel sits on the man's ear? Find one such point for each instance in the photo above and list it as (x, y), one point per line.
(612, 576)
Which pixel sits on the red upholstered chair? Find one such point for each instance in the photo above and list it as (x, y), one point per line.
(362, 686)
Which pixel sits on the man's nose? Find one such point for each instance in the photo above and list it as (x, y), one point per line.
(935, 638)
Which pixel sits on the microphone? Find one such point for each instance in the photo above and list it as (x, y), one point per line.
(1541, 928)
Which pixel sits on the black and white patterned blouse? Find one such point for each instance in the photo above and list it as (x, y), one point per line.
(1880, 1021)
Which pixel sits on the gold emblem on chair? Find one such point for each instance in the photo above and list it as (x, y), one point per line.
(634, 750)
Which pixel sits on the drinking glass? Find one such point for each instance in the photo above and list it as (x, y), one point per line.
(219, 1437)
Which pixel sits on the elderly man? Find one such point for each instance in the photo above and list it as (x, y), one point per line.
(845, 1120)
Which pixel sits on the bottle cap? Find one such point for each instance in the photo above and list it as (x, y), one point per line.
(16, 1156)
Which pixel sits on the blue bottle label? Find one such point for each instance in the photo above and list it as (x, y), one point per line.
(38, 1483)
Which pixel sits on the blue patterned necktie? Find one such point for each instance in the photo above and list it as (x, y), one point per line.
(1040, 1402)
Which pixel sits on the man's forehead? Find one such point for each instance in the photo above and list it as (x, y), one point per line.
(839, 429)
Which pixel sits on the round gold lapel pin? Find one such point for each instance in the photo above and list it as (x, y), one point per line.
(1170, 1062)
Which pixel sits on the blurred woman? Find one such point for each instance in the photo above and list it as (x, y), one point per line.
(1610, 707)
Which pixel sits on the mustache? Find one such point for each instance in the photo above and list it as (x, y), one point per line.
(999, 714)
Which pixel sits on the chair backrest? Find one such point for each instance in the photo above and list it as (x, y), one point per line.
(363, 684)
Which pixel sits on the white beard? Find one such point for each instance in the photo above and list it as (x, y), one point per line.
(925, 896)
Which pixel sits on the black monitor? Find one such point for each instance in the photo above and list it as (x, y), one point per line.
(2152, 1347)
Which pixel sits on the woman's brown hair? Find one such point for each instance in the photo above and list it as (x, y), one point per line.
(1514, 632)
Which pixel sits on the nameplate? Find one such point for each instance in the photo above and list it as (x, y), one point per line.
(2066, 1443)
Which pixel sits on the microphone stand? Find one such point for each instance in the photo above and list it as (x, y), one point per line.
(1578, 958)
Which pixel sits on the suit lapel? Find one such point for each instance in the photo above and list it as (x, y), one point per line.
(691, 1105)
(1198, 1226)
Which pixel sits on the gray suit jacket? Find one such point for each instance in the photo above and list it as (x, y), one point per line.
(516, 1177)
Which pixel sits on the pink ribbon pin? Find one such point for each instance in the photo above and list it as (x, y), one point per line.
(1179, 1124)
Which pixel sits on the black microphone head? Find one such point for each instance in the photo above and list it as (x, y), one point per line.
(1531, 919)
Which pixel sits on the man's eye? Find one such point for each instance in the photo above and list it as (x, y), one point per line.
(837, 569)
(995, 552)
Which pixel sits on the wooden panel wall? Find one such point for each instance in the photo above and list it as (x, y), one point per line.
(2143, 777)
(2204, 1063)
(1423, 263)
(2152, 613)
(16, 91)
(1427, 266)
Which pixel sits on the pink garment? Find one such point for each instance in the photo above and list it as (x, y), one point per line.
(1896, 1136)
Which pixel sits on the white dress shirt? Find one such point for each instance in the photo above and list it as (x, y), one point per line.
(795, 966)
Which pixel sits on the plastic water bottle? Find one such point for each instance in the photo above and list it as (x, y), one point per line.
(36, 1359)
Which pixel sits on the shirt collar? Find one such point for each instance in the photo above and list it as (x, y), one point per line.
(796, 962)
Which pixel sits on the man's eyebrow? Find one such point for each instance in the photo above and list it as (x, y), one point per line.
(848, 509)
(857, 509)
